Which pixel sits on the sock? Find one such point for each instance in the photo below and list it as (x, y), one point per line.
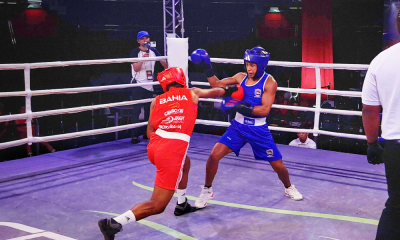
(289, 186)
(181, 195)
(125, 218)
(207, 186)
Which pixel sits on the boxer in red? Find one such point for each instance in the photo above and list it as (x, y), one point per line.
(172, 119)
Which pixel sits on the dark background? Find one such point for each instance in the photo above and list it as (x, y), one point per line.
(97, 29)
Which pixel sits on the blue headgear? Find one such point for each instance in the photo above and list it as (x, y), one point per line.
(259, 56)
(142, 34)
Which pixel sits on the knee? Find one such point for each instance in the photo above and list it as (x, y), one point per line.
(156, 207)
(280, 167)
(159, 208)
(213, 159)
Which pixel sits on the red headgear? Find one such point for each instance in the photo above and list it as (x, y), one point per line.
(171, 75)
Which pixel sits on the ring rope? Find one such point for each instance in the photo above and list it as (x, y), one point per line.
(302, 90)
(17, 66)
(304, 109)
(28, 94)
(74, 90)
(65, 136)
(298, 64)
(71, 110)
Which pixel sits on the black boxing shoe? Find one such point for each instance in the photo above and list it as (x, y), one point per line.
(109, 227)
(183, 208)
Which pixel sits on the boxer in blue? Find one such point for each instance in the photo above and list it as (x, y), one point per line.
(249, 124)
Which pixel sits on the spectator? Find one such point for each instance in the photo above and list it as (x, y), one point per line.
(3, 126)
(5, 135)
(273, 116)
(142, 72)
(303, 141)
(22, 133)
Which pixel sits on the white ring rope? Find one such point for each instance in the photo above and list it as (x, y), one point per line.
(304, 109)
(74, 90)
(16, 66)
(71, 110)
(318, 91)
(295, 130)
(302, 90)
(28, 94)
(298, 64)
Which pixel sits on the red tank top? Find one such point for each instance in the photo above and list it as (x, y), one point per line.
(175, 111)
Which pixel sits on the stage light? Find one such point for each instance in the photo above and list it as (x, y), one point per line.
(35, 4)
(274, 10)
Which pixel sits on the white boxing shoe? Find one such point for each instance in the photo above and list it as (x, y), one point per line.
(293, 193)
(205, 196)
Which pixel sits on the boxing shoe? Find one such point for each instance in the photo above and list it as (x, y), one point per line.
(205, 196)
(183, 208)
(109, 228)
(293, 193)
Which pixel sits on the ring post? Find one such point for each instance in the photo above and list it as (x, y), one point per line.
(317, 100)
(178, 54)
(28, 105)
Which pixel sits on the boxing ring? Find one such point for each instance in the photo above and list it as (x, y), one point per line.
(62, 195)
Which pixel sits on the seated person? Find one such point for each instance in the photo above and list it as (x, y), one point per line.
(3, 126)
(283, 115)
(5, 135)
(300, 119)
(273, 116)
(303, 141)
(22, 133)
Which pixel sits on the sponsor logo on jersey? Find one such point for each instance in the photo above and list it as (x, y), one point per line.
(171, 126)
(176, 119)
(270, 152)
(174, 105)
(168, 120)
(173, 111)
(257, 92)
(173, 98)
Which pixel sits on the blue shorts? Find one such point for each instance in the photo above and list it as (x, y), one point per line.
(259, 138)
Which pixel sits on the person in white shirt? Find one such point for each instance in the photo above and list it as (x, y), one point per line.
(303, 141)
(381, 91)
(142, 72)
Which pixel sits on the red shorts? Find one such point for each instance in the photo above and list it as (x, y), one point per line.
(168, 155)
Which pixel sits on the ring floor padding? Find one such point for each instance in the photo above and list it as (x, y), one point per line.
(64, 194)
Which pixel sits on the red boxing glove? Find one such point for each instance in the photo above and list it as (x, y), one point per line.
(234, 91)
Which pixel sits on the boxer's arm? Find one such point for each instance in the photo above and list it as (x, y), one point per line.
(150, 128)
(236, 79)
(267, 99)
(206, 93)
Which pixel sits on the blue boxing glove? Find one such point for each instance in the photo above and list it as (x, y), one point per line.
(243, 108)
(228, 104)
(374, 153)
(200, 57)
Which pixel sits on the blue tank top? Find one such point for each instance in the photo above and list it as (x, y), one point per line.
(253, 93)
